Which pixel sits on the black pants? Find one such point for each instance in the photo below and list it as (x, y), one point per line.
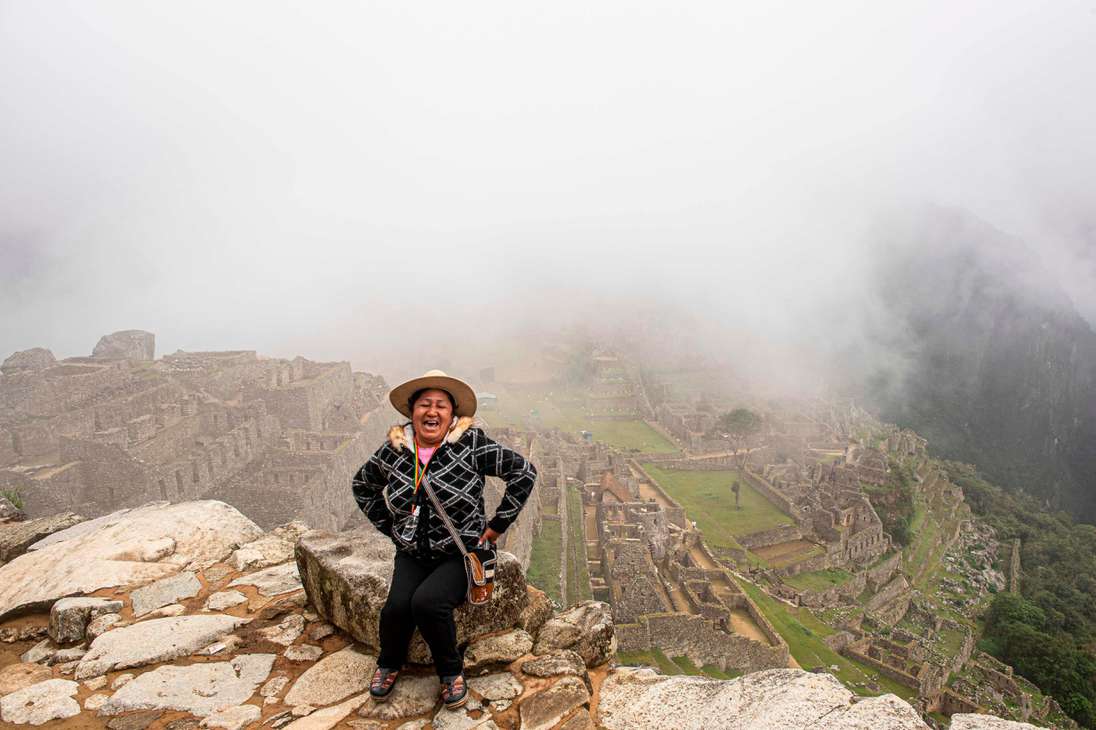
(423, 594)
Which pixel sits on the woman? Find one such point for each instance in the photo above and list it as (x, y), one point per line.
(428, 580)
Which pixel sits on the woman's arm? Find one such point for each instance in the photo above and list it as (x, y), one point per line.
(368, 485)
(495, 460)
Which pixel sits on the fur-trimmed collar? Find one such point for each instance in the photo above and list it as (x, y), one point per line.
(403, 436)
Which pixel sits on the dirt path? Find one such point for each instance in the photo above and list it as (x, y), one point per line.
(702, 560)
(742, 623)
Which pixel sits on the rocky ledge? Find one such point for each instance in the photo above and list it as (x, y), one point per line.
(188, 616)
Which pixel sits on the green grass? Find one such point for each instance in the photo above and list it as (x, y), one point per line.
(804, 633)
(707, 499)
(651, 658)
(578, 575)
(818, 580)
(544, 568)
(686, 665)
(630, 435)
(716, 673)
(13, 496)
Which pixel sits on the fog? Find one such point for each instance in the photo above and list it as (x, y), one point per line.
(394, 183)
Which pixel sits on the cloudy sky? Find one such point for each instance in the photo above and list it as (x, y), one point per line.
(377, 180)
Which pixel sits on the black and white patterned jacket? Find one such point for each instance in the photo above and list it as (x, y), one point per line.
(385, 487)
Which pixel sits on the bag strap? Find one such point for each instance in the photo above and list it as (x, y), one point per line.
(444, 516)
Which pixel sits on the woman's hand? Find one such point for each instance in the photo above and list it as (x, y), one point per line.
(490, 536)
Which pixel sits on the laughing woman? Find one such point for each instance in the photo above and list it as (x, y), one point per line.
(429, 579)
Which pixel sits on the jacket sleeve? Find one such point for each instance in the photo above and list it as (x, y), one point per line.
(368, 485)
(495, 460)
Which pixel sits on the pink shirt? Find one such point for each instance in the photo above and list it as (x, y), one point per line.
(425, 452)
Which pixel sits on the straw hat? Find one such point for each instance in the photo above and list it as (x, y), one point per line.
(461, 392)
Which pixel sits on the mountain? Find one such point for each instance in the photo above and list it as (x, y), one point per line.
(995, 366)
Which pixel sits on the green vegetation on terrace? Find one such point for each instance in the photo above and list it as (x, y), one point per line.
(562, 407)
(13, 496)
(804, 633)
(818, 580)
(544, 561)
(709, 501)
(677, 665)
(578, 574)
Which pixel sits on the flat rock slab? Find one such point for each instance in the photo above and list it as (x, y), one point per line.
(164, 592)
(346, 577)
(461, 719)
(272, 581)
(873, 713)
(200, 689)
(777, 698)
(972, 721)
(329, 717)
(498, 649)
(560, 663)
(156, 640)
(500, 686)
(40, 703)
(137, 546)
(224, 599)
(233, 718)
(410, 697)
(333, 678)
(17, 676)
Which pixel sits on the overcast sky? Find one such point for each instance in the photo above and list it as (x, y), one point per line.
(369, 181)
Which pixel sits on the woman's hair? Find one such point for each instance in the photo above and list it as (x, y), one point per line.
(415, 396)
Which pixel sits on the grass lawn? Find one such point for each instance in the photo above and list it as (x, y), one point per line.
(630, 435)
(818, 580)
(544, 568)
(707, 499)
(668, 666)
(578, 575)
(804, 633)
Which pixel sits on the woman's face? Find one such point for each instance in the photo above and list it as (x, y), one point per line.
(431, 415)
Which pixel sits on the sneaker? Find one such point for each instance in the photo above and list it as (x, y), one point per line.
(383, 682)
(454, 691)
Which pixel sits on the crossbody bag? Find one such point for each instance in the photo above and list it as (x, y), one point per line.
(480, 570)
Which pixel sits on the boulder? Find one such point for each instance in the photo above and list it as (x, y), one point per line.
(586, 629)
(28, 361)
(537, 611)
(136, 546)
(333, 678)
(346, 578)
(126, 345)
(69, 617)
(151, 641)
(785, 698)
(40, 703)
(16, 537)
(546, 708)
(200, 689)
(498, 649)
(556, 664)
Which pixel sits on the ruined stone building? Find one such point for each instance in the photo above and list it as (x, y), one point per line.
(277, 438)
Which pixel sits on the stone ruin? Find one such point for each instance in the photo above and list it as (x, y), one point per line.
(277, 438)
(221, 625)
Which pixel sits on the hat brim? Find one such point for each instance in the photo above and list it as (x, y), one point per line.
(460, 391)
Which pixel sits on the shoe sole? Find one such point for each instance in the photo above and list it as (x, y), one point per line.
(456, 705)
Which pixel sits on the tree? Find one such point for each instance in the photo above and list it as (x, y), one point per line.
(736, 488)
(738, 426)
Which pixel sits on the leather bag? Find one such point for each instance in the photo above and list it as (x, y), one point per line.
(479, 564)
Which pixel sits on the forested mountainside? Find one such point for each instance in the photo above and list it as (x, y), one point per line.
(997, 367)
